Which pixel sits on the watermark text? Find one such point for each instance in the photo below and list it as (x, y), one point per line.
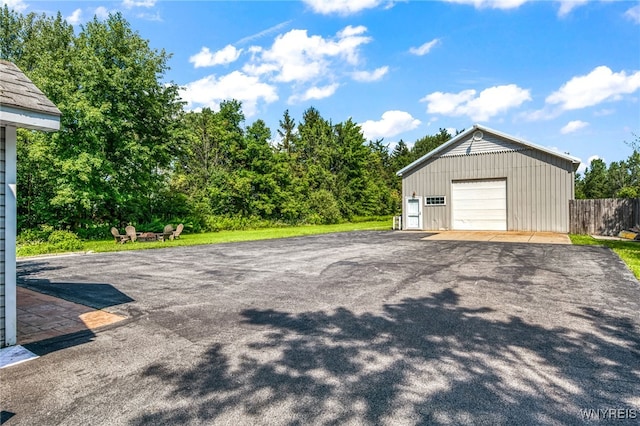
(610, 413)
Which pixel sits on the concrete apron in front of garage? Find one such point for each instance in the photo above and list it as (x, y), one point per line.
(502, 237)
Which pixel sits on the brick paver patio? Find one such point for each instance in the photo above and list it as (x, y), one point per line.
(43, 317)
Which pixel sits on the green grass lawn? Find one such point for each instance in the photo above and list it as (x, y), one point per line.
(629, 251)
(219, 237)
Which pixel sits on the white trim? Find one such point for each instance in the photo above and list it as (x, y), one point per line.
(475, 128)
(419, 200)
(10, 225)
(17, 117)
(444, 200)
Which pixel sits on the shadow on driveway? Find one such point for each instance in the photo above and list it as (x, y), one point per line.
(95, 295)
(421, 361)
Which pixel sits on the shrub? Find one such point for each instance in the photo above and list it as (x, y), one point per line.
(34, 249)
(29, 236)
(31, 242)
(94, 232)
(36, 235)
(156, 225)
(324, 207)
(65, 241)
(237, 223)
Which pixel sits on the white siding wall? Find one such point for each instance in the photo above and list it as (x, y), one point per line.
(2, 217)
(539, 187)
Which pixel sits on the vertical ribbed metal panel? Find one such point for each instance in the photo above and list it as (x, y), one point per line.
(539, 187)
(488, 144)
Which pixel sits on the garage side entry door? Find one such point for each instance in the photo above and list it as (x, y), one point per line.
(414, 211)
(479, 205)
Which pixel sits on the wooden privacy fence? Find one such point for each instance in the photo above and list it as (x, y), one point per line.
(606, 216)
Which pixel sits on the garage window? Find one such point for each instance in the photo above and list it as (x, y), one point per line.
(435, 201)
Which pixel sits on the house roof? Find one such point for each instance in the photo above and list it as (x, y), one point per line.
(464, 135)
(22, 104)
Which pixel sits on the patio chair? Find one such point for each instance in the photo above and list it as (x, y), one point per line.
(119, 237)
(176, 234)
(167, 234)
(131, 233)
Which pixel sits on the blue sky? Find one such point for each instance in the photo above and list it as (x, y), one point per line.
(562, 74)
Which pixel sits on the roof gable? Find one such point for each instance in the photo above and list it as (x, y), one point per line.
(482, 140)
(483, 143)
(22, 104)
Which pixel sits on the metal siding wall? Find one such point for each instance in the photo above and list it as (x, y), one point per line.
(539, 187)
(2, 215)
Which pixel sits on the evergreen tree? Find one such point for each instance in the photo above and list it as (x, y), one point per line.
(428, 143)
(595, 180)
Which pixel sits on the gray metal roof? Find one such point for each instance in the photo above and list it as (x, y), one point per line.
(467, 133)
(16, 90)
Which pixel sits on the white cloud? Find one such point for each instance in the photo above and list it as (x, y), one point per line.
(566, 6)
(599, 85)
(350, 30)
(491, 4)
(573, 126)
(210, 91)
(75, 18)
(315, 93)
(633, 14)
(341, 7)
(101, 12)
(259, 69)
(488, 103)
(391, 124)
(16, 5)
(298, 57)
(369, 76)
(138, 3)
(425, 48)
(205, 58)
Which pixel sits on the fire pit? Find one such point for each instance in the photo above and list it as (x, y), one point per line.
(148, 236)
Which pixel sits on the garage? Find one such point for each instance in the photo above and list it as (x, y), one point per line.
(479, 205)
(483, 179)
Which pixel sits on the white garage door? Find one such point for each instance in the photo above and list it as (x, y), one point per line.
(479, 205)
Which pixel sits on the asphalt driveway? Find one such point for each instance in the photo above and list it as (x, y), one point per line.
(358, 328)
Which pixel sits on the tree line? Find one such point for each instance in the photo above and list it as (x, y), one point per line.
(128, 153)
(620, 179)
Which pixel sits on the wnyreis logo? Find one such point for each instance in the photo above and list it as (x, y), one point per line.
(609, 414)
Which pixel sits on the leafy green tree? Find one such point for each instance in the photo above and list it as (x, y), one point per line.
(10, 29)
(401, 156)
(579, 187)
(595, 180)
(381, 165)
(200, 151)
(617, 178)
(117, 127)
(127, 153)
(428, 143)
(287, 133)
